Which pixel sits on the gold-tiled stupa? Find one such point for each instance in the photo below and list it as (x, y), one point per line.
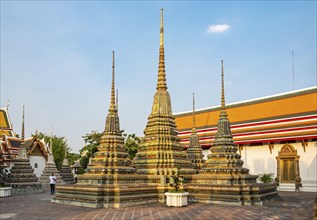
(223, 179)
(161, 152)
(194, 150)
(109, 181)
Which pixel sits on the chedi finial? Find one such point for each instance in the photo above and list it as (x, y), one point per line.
(113, 95)
(161, 81)
(222, 88)
(194, 120)
(22, 132)
(162, 29)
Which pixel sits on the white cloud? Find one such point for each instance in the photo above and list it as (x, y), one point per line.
(218, 28)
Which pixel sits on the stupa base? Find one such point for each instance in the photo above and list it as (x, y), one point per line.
(24, 188)
(105, 196)
(112, 191)
(229, 189)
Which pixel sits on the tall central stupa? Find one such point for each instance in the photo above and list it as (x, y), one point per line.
(161, 153)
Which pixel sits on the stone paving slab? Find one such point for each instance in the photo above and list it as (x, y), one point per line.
(38, 206)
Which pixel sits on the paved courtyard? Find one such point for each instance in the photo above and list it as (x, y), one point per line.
(38, 206)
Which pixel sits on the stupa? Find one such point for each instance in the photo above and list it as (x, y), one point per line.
(161, 152)
(223, 179)
(65, 171)
(110, 181)
(50, 168)
(22, 178)
(194, 150)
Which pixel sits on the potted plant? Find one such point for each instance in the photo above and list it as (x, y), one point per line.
(266, 177)
(176, 197)
(4, 174)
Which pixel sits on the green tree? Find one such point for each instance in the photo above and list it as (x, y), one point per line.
(132, 143)
(92, 140)
(72, 157)
(84, 161)
(58, 147)
(91, 147)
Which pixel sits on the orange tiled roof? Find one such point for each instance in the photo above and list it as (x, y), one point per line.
(276, 118)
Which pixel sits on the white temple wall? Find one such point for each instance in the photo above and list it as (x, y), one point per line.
(259, 160)
(40, 161)
(308, 166)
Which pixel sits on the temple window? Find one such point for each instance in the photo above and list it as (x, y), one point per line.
(35, 165)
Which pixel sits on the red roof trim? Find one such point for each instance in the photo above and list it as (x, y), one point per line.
(254, 124)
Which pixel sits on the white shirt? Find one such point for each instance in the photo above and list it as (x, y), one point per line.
(52, 179)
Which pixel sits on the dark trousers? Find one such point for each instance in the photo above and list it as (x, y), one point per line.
(52, 188)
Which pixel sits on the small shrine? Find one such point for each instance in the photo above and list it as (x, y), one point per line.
(66, 171)
(194, 150)
(50, 168)
(22, 178)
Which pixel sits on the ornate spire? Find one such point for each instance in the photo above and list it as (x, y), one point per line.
(223, 124)
(117, 97)
(223, 107)
(65, 161)
(161, 81)
(51, 144)
(162, 30)
(112, 121)
(194, 120)
(50, 155)
(113, 95)
(65, 152)
(22, 133)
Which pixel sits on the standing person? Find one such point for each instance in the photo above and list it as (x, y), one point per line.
(52, 179)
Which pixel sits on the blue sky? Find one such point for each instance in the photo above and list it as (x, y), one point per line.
(56, 57)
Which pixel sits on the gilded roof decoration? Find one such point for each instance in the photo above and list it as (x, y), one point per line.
(5, 124)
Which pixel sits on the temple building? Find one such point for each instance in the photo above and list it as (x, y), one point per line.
(275, 134)
(36, 149)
